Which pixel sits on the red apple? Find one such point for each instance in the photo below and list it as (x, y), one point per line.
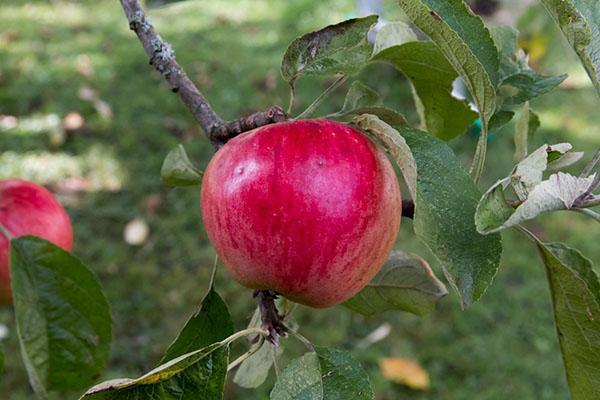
(29, 209)
(308, 208)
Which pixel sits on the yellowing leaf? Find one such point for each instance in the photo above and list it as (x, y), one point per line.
(405, 372)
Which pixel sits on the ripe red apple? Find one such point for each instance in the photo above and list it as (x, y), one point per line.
(29, 209)
(308, 208)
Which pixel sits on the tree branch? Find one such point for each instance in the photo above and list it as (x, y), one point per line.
(162, 57)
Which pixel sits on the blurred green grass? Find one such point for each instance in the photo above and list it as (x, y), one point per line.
(62, 57)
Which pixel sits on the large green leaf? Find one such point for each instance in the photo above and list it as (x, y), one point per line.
(326, 374)
(210, 324)
(197, 375)
(579, 21)
(300, 380)
(343, 377)
(63, 317)
(405, 283)
(575, 293)
(341, 48)
(444, 217)
(431, 76)
(465, 42)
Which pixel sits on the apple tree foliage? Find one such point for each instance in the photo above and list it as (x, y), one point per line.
(63, 318)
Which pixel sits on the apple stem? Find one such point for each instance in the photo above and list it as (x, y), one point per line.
(162, 57)
(271, 320)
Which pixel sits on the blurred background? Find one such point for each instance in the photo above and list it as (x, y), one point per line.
(82, 113)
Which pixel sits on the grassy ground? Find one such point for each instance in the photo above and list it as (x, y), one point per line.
(63, 57)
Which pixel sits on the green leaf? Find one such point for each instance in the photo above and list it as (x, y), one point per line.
(343, 377)
(300, 380)
(361, 99)
(431, 76)
(527, 123)
(512, 60)
(565, 160)
(465, 42)
(254, 370)
(360, 95)
(535, 195)
(210, 324)
(394, 144)
(178, 170)
(329, 374)
(393, 34)
(558, 192)
(499, 119)
(405, 282)
(575, 293)
(197, 375)
(579, 20)
(526, 85)
(342, 48)
(63, 317)
(493, 209)
(444, 217)
(518, 82)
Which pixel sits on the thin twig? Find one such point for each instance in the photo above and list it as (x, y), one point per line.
(162, 56)
(315, 104)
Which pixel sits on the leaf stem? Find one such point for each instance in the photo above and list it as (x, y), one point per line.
(275, 364)
(591, 165)
(292, 99)
(6, 233)
(590, 213)
(315, 104)
(247, 354)
(480, 152)
(303, 339)
(246, 332)
(528, 233)
(213, 274)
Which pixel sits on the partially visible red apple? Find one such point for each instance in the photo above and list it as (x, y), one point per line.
(309, 208)
(29, 209)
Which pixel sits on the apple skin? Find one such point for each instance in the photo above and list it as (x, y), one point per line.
(29, 209)
(308, 208)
